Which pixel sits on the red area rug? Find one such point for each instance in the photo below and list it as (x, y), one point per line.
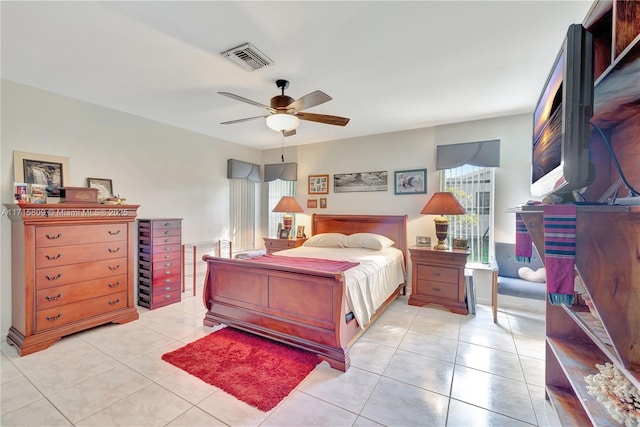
(256, 370)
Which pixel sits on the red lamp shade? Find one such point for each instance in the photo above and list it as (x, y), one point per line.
(443, 203)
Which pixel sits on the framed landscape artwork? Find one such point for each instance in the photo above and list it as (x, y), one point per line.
(103, 185)
(41, 169)
(360, 181)
(318, 184)
(410, 181)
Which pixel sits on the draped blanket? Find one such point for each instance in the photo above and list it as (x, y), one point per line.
(560, 251)
(326, 265)
(524, 247)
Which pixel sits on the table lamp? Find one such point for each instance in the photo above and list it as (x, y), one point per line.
(442, 203)
(289, 206)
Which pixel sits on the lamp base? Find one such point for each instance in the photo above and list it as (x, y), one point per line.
(442, 227)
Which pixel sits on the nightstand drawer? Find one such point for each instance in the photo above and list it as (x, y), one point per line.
(437, 289)
(280, 244)
(438, 274)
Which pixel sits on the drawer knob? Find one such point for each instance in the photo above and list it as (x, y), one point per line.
(168, 272)
(167, 256)
(54, 318)
(114, 285)
(114, 233)
(167, 240)
(166, 224)
(57, 236)
(167, 248)
(167, 264)
(50, 298)
(53, 277)
(166, 232)
(114, 302)
(167, 280)
(167, 288)
(114, 268)
(53, 257)
(436, 274)
(113, 251)
(167, 296)
(436, 289)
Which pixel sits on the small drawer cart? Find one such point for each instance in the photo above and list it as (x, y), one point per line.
(159, 262)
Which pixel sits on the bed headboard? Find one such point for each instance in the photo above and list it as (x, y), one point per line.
(392, 226)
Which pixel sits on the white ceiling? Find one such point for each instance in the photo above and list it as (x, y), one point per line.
(389, 65)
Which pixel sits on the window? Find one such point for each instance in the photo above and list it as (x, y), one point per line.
(277, 189)
(474, 188)
(242, 213)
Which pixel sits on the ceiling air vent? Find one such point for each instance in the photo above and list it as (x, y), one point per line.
(248, 57)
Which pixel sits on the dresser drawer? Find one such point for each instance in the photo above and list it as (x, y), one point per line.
(171, 263)
(81, 272)
(73, 254)
(437, 289)
(159, 300)
(158, 249)
(160, 273)
(78, 234)
(67, 294)
(64, 314)
(438, 274)
(158, 257)
(166, 240)
(163, 288)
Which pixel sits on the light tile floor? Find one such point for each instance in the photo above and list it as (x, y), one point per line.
(413, 367)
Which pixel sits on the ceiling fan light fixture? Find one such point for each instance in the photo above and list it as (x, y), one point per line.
(283, 122)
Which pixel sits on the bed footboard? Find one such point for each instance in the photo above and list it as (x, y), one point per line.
(301, 307)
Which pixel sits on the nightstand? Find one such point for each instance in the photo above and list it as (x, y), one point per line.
(438, 278)
(275, 245)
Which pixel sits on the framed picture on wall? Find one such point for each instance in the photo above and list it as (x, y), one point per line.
(410, 181)
(42, 169)
(312, 203)
(318, 184)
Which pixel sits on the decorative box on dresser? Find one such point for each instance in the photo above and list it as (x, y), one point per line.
(274, 245)
(159, 262)
(438, 278)
(607, 237)
(72, 268)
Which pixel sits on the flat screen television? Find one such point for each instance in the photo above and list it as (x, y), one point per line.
(561, 132)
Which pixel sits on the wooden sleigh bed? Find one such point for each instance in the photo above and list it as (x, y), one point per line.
(302, 307)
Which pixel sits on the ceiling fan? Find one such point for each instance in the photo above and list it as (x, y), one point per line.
(285, 113)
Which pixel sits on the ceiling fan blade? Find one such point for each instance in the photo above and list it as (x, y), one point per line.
(323, 118)
(309, 100)
(289, 132)
(230, 122)
(248, 101)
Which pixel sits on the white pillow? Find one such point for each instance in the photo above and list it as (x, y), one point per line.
(326, 240)
(539, 275)
(368, 240)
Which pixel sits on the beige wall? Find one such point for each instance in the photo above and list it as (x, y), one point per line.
(172, 172)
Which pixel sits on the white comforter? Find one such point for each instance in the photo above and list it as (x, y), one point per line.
(369, 284)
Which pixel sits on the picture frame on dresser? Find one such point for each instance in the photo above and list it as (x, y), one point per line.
(42, 169)
(318, 184)
(284, 234)
(103, 185)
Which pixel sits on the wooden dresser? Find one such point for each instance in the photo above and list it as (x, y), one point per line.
(438, 278)
(71, 269)
(274, 245)
(159, 262)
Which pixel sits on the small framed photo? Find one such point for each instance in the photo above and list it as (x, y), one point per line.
(103, 185)
(284, 233)
(323, 202)
(423, 241)
(460, 244)
(312, 203)
(410, 182)
(300, 232)
(318, 184)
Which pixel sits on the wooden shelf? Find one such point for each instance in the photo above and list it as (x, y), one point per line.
(577, 361)
(564, 402)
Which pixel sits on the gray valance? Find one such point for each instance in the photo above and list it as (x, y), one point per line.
(237, 169)
(283, 171)
(482, 153)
